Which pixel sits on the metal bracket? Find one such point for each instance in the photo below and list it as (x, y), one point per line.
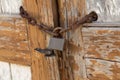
(47, 52)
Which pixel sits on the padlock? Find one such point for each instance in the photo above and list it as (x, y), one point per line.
(56, 44)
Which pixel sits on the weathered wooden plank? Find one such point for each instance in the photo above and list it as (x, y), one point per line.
(42, 68)
(102, 52)
(64, 74)
(19, 72)
(72, 62)
(108, 10)
(102, 70)
(14, 45)
(102, 43)
(13, 35)
(16, 57)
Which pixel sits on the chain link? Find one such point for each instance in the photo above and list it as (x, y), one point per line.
(92, 16)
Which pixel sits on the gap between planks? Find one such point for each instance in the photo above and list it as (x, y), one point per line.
(101, 59)
(101, 24)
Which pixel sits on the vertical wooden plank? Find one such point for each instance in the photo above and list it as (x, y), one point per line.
(42, 68)
(62, 58)
(5, 71)
(73, 62)
(19, 72)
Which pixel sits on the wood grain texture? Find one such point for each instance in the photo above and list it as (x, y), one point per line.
(42, 68)
(13, 35)
(102, 43)
(102, 53)
(72, 62)
(14, 45)
(102, 70)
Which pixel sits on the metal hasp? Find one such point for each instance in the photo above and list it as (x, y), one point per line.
(54, 44)
(47, 52)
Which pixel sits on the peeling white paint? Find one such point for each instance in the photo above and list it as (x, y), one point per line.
(20, 72)
(4, 71)
(108, 10)
(10, 6)
(100, 67)
(14, 72)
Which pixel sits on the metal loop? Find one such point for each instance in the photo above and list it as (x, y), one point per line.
(57, 29)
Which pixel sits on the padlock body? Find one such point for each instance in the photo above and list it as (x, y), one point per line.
(56, 44)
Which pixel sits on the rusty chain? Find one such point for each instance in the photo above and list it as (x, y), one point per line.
(92, 16)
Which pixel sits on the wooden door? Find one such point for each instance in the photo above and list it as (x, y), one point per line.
(18, 40)
(91, 51)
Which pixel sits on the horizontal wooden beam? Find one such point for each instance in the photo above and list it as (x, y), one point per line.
(16, 57)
